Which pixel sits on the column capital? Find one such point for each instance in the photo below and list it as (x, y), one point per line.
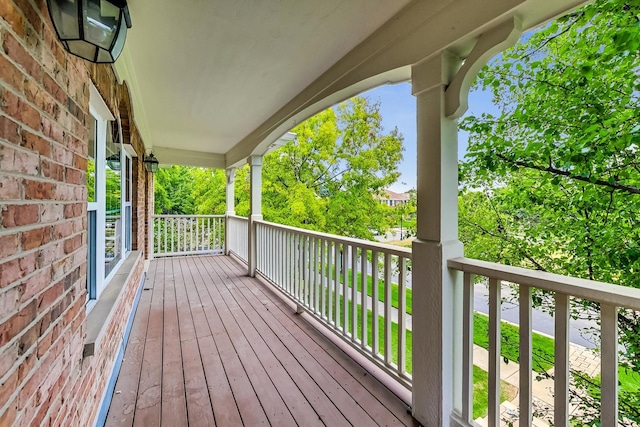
(231, 175)
(436, 71)
(254, 160)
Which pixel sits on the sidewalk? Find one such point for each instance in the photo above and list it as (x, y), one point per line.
(580, 359)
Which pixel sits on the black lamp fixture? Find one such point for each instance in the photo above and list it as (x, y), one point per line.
(94, 30)
(151, 163)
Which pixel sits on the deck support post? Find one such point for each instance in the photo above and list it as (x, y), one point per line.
(231, 175)
(437, 291)
(255, 171)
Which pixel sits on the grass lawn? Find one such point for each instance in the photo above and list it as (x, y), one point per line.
(509, 347)
(481, 392)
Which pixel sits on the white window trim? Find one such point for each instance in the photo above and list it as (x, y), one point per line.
(101, 113)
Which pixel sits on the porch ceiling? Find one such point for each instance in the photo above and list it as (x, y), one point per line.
(228, 78)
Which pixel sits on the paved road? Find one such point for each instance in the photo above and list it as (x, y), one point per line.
(542, 322)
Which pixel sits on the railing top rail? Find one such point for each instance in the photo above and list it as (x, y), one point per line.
(602, 292)
(364, 244)
(187, 216)
(240, 218)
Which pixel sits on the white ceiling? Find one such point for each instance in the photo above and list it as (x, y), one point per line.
(225, 77)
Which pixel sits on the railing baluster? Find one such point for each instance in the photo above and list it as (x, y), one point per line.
(345, 288)
(314, 270)
(561, 361)
(328, 271)
(354, 290)
(402, 316)
(364, 311)
(467, 348)
(609, 365)
(388, 357)
(526, 415)
(336, 282)
(494, 352)
(375, 327)
(322, 278)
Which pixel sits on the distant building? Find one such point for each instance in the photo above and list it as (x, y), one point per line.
(392, 199)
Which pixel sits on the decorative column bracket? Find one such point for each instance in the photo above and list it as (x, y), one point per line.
(488, 45)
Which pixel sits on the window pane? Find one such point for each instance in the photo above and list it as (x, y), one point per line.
(91, 162)
(91, 255)
(127, 179)
(113, 224)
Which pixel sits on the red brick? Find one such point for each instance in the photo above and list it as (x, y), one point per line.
(13, 270)
(8, 245)
(9, 129)
(30, 13)
(9, 189)
(52, 170)
(18, 161)
(28, 339)
(19, 54)
(60, 231)
(36, 143)
(80, 162)
(54, 89)
(9, 301)
(17, 215)
(52, 130)
(73, 210)
(35, 284)
(17, 323)
(48, 297)
(9, 13)
(74, 176)
(38, 190)
(20, 110)
(72, 244)
(34, 238)
(8, 418)
(7, 387)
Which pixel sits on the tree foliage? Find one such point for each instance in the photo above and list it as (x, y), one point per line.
(327, 180)
(553, 181)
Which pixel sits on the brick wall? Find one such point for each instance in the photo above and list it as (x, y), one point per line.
(44, 111)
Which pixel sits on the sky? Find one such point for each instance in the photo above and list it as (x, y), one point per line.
(398, 109)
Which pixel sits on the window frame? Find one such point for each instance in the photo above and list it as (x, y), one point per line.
(96, 254)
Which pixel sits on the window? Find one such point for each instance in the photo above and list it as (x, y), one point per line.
(108, 199)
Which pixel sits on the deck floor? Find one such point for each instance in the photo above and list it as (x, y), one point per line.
(211, 346)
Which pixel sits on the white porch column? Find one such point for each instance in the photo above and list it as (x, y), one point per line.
(255, 165)
(231, 208)
(437, 297)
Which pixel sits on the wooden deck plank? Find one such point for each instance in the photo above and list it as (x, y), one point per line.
(199, 409)
(174, 405)
(149, 390)
(273, 405)
(289, 390)
(385, 407)
(221, 357)
(215, 347)
(331, 385)
(123, 402)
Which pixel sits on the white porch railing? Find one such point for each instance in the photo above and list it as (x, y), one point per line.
(187, 234)
(611, 298)
(238, 237)
(320, 272)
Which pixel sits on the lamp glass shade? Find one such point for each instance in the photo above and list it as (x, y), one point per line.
(151, 163)
(94, 30)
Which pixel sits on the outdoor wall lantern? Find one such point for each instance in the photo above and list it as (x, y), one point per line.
(151, 163)
(94, 30)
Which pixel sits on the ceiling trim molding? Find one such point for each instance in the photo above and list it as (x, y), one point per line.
(173, 156)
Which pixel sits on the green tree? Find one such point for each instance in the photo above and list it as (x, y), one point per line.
(553, 181)
(329, 178)
(172, 190)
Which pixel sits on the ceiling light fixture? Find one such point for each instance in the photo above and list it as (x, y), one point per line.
(94, 30)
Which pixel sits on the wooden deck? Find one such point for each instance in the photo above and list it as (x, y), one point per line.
(211, 346)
